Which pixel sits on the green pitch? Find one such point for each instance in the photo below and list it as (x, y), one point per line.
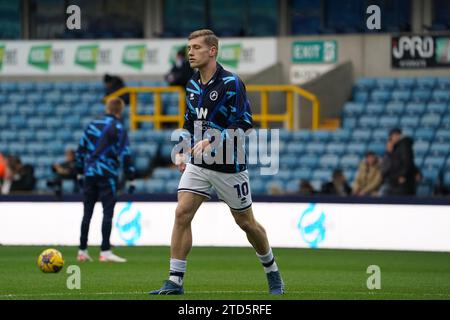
(230, 273)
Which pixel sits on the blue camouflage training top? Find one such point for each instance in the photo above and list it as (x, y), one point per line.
(102, 148)
(219, 104)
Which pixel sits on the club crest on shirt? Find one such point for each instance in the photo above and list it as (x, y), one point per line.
(213, 95)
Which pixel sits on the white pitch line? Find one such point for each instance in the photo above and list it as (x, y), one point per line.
(220, 292)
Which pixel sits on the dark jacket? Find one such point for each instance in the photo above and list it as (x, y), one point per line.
(179, 76)
(116, 84)
(400, 163)
(24, 180)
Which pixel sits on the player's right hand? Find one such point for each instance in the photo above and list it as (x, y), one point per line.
(180, 162)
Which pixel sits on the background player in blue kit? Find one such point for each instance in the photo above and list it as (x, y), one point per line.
(216, 99)
(102, 148)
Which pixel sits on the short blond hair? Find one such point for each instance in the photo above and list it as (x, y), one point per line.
(115, 106)
(210, 38)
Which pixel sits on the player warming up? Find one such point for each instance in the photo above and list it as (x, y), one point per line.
(216, 99)
(103, 146)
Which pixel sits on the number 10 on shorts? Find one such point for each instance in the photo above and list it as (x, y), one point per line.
(242, 189)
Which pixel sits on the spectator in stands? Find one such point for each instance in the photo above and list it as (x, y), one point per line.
(18, 177)
(2, 166)
(368, 178)
(338, 185)
(399, 170)
(64, 171)
(181, 70)
(114, 83)
(306, 188)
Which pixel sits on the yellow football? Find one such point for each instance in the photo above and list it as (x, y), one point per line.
(50, 261)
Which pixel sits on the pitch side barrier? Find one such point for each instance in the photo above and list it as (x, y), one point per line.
(165, 197)
(416, 224)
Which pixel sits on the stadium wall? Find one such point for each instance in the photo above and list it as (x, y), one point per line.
(288, 224)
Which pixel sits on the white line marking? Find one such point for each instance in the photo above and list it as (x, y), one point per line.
(221, 292)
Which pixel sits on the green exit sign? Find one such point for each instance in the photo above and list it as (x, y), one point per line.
(314, 51)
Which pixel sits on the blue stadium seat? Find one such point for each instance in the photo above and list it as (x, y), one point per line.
(321, 136)
(17, 148)
(309, 160)
(302, 174)
(424, 134)
(140, 185)
(434, 162)
(288, 161)
(388, 122)
(353, 108)
(164, 173)
(329, 161)
(350, 161)
(34, 97)
(447, 179)
(415, 108)
(63, 86)
(420, 96)
(446, 121)
(171, 186)
(409, 121)
(440, 149)
(341, 135)
(365, 83)
(42, 86)
(295, 148)
(356, 149)
(380, 96)
(36, 123)
(322, 175)
(442, 135)
(44, 135)
(315, 148)
(437, 107)
(292, 186)
(418, 161)
(406, 83)
(361, 135)
(142, 163)
(337, 148)
(301, 135)
(17, 122)
(430, 174)
(425, 83)
(8, 86)
(421, 148)
(440, 96)
(443, 83)
(361, 96)
(430, 120)
(52, 96)
(349, 123)
(149, 149)
(385, 83)
(26, 110)
(401, 95)
(424, 190)
(374, 108)
(377, 147)
(380, 135)
(25, 86)
(154, 185)
(395, 108)
(257, 186)
(368, 121)
(17, 98)
(26, 135)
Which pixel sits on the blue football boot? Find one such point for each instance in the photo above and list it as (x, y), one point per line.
(169, 287)
(276, 285)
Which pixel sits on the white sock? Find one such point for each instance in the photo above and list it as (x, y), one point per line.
(268, 261)
(177, 270)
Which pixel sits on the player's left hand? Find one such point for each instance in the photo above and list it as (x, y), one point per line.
(200, 146)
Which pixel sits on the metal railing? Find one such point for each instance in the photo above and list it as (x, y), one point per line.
(158, 118)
